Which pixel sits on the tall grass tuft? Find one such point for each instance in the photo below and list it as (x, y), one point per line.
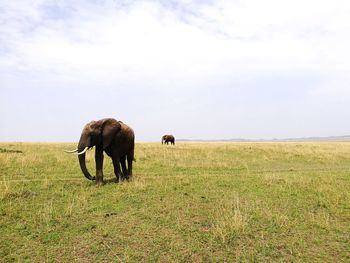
(229, 220)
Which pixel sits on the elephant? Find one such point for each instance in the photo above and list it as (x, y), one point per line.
(168, 138)
(114, 138)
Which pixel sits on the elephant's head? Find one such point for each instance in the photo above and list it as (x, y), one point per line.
(164, 138)
(96, 133)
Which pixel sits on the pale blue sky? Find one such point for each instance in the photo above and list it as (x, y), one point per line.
(197, 69)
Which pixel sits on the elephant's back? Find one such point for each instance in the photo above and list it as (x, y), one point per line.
(125, 137)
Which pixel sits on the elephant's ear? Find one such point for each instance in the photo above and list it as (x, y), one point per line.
(109, 129)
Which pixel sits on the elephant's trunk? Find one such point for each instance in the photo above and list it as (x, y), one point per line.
(83, 167)
(83, 143)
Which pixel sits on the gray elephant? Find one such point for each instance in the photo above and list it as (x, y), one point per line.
(114, 138)
(168, 138)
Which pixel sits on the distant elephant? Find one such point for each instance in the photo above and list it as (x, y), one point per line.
(116, 139)
(168, 138)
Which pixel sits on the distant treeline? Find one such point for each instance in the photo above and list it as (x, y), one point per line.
(306, 139)
(3, 150)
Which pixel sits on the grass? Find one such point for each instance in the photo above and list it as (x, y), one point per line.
(193, 202)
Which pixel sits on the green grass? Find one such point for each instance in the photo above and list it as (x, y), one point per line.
(193, 202)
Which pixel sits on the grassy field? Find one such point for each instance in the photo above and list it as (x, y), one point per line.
(193, 202)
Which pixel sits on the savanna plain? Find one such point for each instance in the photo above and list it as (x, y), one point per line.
(192, 202)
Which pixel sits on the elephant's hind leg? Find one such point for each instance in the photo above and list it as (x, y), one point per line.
(123, 165)
(130, 158)
(117, 172)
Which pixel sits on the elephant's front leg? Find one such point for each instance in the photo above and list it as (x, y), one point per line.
(99, 165)
(117, 171)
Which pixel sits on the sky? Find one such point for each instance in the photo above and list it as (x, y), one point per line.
(197, 69)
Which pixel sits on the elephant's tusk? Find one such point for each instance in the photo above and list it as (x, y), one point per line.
(86, 148)
(71, 151)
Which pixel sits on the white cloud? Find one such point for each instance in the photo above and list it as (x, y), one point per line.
(248, 36)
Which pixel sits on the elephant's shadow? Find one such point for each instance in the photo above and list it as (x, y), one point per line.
(114, 181)
(111, 181)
